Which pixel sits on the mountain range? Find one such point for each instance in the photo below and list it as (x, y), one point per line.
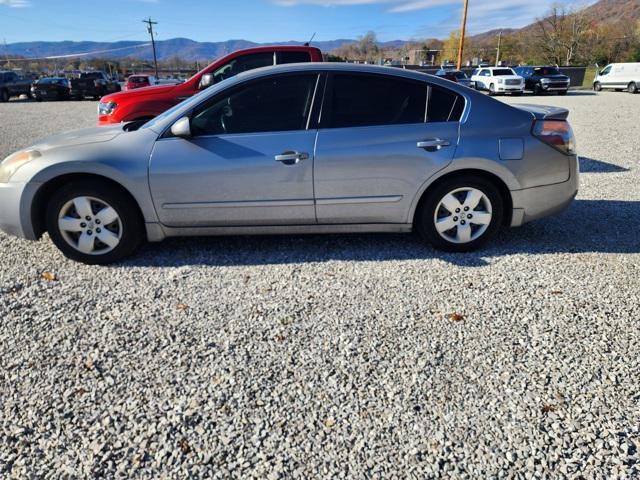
(603, 11)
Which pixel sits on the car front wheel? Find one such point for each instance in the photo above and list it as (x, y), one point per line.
(93, 223)
(597, 86)
(460, 214)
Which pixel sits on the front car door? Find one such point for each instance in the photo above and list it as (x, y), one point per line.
(249, 161)
(381, 137)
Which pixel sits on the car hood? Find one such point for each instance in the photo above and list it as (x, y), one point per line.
(137, 92)
(79, 137)
(544, 112)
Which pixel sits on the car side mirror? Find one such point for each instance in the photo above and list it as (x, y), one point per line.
(206, 81)
(182, 128)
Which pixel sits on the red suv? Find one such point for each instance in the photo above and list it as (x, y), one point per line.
(146, 103)
(139, 81)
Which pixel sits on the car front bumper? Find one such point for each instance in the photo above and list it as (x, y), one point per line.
(15, 215)
(509, 88)
(537, 202)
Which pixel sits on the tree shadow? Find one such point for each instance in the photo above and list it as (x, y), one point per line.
(601, 226)
(589, 165)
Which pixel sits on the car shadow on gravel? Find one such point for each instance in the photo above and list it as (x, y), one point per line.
(589, 165)
(587, 226)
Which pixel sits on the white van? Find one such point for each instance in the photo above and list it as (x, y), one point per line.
(618, 76)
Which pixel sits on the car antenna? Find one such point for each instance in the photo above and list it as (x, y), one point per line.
(310, 40)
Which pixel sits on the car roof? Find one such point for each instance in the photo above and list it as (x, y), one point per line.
(345, 67)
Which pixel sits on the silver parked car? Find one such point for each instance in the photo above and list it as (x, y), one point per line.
(307, 148)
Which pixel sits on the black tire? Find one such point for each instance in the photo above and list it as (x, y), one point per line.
(516, 94)
(632, 87)
(492, 90)
(4, 96)
(132, 224)
(597, 87)
(424, 219)
(563, 92)
(537, 89)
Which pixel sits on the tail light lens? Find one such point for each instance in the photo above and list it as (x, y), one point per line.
(557, 134)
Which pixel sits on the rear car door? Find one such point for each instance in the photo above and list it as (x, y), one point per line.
(381, 137)
(249, 160)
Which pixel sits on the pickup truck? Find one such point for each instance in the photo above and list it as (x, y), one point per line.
(93, 84)
(11, 85)
(544, 79)
(149, 102)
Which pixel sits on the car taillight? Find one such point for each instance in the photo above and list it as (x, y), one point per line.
(556, 133)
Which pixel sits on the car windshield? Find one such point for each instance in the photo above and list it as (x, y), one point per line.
(546, 71)
(91, 75)
(193, 100)
(49, 81)
(501, 72)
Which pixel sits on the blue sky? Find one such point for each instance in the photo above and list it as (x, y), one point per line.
(258, 20)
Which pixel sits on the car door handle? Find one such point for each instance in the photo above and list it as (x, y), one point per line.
(434, 144)
(291, 158)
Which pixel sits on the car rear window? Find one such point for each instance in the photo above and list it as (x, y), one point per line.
(293, 57)
(370, 100)
(444, 105)
(138, 79)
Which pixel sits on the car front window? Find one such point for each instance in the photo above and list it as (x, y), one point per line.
(503, 72)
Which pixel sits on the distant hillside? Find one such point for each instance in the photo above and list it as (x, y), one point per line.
(603, 11)
(184, 48)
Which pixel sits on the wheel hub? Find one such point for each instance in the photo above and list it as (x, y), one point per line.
(463, 215)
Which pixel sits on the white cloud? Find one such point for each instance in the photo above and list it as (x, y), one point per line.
(15, 3)
(483, 15)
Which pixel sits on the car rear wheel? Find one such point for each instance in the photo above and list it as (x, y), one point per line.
(460, 214)
(93, 223)
(597, 87)
(632, 87)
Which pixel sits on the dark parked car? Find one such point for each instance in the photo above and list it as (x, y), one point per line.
(455, 76)
(56, 88)
(11, 85)
(93, 84)
(544, 79)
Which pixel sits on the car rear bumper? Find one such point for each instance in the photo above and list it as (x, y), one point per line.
(15, 199)
(537, 202)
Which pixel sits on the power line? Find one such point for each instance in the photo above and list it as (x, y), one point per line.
(150, 24)
(82, 54)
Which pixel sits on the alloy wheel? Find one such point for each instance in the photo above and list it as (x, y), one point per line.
(463, 215)
(90, 225)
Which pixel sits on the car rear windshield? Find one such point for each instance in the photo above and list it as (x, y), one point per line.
(50, 81)
(501, 72)
(460, 75)
(138, 79)
(91, 75)
(546, 71)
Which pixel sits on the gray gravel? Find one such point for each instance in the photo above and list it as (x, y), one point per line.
(337, 356)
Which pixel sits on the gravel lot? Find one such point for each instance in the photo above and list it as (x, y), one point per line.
(336, 356)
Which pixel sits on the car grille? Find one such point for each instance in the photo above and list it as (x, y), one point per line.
(513, 82)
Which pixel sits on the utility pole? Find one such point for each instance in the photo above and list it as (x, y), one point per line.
(498, 49)
(150, 24)
(6, 54)
(463, 30)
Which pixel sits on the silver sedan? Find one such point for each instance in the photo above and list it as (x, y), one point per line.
(313, 148)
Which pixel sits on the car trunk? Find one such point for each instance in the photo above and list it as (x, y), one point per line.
(544, 112)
